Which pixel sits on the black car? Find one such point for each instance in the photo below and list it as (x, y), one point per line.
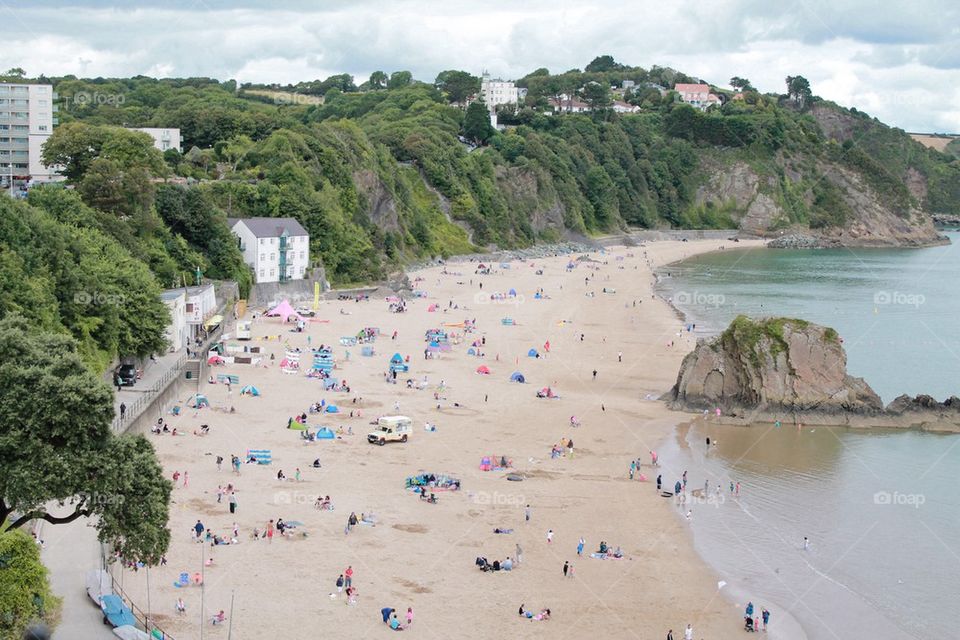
(127, 374)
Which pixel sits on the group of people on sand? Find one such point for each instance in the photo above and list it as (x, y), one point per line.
(389, 615)
(543, 615)
(755, 621)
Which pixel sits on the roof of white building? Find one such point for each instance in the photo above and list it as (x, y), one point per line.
(270, 227)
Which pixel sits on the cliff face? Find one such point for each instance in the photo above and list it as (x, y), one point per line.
(760, 205)
(773, 365)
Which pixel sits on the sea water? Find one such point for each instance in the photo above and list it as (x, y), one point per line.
(880, 508)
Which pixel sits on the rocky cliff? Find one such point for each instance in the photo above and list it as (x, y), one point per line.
(772, 365)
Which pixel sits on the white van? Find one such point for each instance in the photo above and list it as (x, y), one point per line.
(391, 429)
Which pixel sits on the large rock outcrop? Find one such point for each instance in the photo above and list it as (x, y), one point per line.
(773, 365)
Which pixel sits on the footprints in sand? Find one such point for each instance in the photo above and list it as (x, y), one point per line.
(411, 585)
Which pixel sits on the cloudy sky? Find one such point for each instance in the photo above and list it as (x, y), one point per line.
(896, 59)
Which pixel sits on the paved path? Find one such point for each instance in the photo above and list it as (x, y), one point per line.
(70, 551)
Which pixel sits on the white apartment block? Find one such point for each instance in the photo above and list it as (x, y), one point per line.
(163, 139)
(496, 91)
(27, 117)
(277, 249)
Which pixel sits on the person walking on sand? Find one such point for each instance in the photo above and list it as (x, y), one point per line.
(526, 513)
(270, 531)
(186, 479)
(806, 543)
(619, 356)
(688, 632)
(219, 493)
(737, 492)
(659, 481)
(633, 468)
(549, 536)
(296, 475)
(580, 544)
(765, 616)
(409, 616)
(566, 567)
(348, 576)
(233, 502)
(594, 374)
(519, 554)
(340, 584)
(219, 463)
(670, 634)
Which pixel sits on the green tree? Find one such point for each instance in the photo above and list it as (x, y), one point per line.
(476, 122)
(378, 80)
(75, 146)
(400, 79)
(741, 84)
(597, 95)
(16, 72)
(602, 64)
(798, 89)
(25, 595)
(458, 85)
(57, 446)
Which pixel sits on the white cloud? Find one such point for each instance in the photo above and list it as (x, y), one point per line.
(899, 62)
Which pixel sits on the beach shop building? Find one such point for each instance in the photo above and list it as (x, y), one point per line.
(200, 310)
(277, 249)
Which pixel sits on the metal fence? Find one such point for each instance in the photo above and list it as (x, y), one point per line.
(133, 411)
(142, 617)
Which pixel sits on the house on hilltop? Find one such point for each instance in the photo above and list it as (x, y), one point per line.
(696, 95)
(277, 249)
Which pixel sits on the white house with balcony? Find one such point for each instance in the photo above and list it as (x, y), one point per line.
(277, 249)
(199, 308)
(696, 95)
(163, 139)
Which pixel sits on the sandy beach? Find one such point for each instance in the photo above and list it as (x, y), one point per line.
(422, 555)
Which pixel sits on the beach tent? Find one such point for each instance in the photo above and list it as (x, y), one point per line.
(532, 353)
(283, 311)
(396, 359)
(471, 352)
(332, 408)
(508, 322)
(432, 308)
(517, 377)
(263, 456)
(297, 426)
(198, 401)
(215, 360)
(324, 433)
(483, 370)
(249, 390)
(512, 293)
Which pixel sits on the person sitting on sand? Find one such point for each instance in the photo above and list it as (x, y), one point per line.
(395, 622)
(603, 548)
(280, 475)
(543, 615)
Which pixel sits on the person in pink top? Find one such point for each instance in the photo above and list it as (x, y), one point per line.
(409, 616)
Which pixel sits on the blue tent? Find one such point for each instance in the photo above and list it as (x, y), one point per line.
(471, 352)
(250, 390)
(396, 358)
(512, 293)
(532, 353)
(333, 408)
(324, 433)
(517, 377)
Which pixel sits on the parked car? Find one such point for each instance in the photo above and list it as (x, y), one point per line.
(127, 374)
(391, 429)
(306, 312)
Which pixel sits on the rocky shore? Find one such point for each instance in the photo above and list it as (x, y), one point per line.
(790, 370)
